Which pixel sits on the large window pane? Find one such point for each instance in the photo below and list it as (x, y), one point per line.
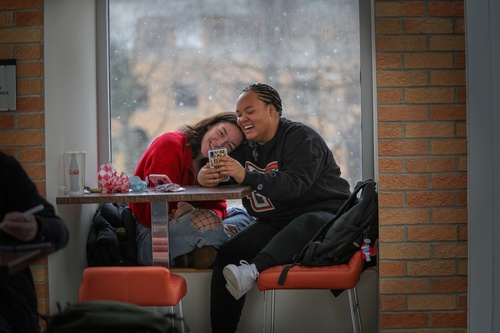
(175, 62)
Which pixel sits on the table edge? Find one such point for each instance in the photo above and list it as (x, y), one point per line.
(202, 194)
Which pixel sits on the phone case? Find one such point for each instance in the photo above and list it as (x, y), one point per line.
(214, 155)
(159, 179)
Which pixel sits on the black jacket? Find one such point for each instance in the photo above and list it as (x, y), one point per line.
(18, 301)
(111, 239)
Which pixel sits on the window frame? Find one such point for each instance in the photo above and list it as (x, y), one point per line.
(368, 86)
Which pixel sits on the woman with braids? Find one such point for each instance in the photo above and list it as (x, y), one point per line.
(297, 188)
(194, 225)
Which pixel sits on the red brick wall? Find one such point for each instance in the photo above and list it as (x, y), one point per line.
(422, 153)
(422, 142)
(22, 131)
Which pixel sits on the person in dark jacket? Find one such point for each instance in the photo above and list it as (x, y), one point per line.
(297, 187)
(18, 300)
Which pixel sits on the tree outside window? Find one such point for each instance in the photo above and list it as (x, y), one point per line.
(175, 62)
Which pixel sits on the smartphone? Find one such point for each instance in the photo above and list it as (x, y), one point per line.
(214, 155)
(159, 179)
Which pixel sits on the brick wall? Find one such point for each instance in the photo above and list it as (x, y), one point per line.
(22, 132)
(423, 165)
(422, 153)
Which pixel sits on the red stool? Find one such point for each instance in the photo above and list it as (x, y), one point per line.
(338, 277)
(139, 285)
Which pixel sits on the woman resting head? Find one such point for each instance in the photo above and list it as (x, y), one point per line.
(180, 155)
(219, 130)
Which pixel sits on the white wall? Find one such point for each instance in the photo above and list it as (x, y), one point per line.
(71, 124)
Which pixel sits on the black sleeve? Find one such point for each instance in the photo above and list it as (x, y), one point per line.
(51, 227)
(19, 193)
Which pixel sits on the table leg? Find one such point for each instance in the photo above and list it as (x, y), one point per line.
(159, 233)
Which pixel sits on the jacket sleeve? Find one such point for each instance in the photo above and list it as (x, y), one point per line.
(51, 227)
(162, 157)
(22, 194)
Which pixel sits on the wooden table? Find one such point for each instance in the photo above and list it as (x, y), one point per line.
(159, 206)
(13, 261)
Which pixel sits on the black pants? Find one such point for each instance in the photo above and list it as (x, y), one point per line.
(18, 303)
(264, 244)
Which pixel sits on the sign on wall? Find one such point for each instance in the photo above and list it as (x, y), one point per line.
(7, 84)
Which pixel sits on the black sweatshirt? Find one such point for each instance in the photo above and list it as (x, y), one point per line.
(292, 174)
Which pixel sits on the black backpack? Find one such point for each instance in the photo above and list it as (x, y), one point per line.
(112, 316)
(111, 240)
(336, 242)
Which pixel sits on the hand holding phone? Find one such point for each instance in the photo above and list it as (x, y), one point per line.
(214, 156)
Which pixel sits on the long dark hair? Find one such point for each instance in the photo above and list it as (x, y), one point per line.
(196, 132)
(267, 94)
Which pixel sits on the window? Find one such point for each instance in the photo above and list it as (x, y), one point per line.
(182, 60)
(186, 96)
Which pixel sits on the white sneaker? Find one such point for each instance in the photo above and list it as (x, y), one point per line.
(240, 279)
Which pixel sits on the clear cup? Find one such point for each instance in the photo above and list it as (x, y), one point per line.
(74, 172)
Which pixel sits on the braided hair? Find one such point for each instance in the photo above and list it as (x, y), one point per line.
(267, 94)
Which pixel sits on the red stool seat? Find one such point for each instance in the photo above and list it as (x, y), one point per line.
(338, 277)
(139, 285)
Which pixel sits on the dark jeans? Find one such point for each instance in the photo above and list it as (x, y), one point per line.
(18, 303)
(264, 244)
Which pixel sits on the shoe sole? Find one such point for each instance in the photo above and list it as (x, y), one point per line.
(232, 281)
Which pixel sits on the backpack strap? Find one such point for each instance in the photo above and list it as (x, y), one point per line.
(284, 272)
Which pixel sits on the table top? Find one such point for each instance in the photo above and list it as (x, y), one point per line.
(191, 193)
(13, 261)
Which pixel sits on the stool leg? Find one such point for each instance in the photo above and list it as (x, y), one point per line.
(273, 301)
(171, 310)
(357, 326)
(264, 313)
(181, 315)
